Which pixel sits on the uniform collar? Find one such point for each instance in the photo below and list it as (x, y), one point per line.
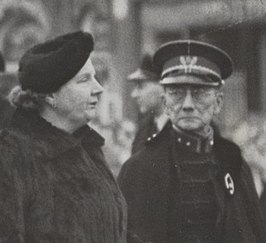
(226, 151)
(50, 139)
(194, 143)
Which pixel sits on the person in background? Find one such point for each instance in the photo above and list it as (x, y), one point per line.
(251, 137)
(55, 185)
(188, 184)
(147, 93)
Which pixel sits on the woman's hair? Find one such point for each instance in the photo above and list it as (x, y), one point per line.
(26, 99)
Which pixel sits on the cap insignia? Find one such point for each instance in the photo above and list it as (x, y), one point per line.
(188, 62)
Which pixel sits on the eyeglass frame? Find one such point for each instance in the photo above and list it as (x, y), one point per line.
(198, 92)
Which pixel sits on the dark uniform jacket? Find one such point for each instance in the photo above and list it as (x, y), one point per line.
(145, 182)
(56, 187)
(263, 204)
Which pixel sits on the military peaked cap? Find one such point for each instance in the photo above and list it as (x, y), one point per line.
(192, 57)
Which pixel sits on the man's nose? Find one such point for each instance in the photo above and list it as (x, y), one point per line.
(188, 103)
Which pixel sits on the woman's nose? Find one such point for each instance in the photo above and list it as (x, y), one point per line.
(97, 89)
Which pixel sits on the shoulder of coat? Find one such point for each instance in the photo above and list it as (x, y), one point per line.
(4, 132)
(225, 144)
(9, 147)
(162, 135)
(4, 136)
(9, 139)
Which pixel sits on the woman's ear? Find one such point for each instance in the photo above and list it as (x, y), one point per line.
(50, 100)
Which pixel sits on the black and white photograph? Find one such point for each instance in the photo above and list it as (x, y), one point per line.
(132, 121)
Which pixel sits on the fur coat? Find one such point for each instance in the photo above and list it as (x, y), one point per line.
(56, 187)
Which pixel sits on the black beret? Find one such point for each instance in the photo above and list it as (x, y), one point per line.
(193, 58)
(146, 71)
(47, 66)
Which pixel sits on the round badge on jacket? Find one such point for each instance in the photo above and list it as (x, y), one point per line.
(229, 184)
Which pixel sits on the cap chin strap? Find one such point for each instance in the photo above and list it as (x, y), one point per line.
(189, 70)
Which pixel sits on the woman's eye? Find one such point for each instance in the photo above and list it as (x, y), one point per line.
(82, 80)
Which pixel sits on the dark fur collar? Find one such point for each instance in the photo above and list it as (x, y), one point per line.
(44, 135)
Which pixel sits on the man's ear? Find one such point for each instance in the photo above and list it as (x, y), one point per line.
(219, 102)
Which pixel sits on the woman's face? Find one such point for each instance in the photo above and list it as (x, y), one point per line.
(76, 100)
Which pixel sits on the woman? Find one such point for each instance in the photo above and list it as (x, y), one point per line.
(55, 183)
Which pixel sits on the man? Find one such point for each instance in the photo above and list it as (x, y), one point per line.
(187, 184)
(147, 92)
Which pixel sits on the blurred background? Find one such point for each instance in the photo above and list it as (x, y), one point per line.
(124, 30)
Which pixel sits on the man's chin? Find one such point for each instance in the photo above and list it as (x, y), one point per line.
(189, 126)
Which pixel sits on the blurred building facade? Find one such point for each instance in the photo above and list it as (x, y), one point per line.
(124, 29)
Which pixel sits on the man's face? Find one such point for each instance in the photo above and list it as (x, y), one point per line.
(76, 100)
(148, 95)
(191, 107)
